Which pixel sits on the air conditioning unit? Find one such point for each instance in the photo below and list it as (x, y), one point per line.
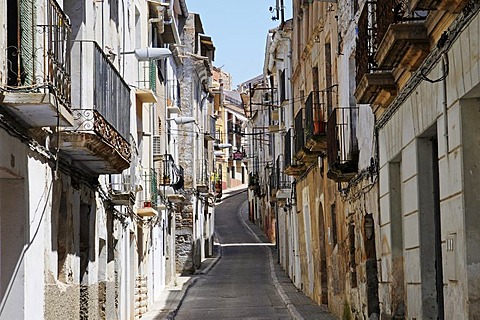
(157, 148)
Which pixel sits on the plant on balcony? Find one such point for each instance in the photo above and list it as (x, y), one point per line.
(166, 179)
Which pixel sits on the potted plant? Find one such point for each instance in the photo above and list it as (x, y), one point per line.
(166, 179)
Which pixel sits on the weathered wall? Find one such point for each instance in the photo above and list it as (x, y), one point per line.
(184, 239)
(419, 112)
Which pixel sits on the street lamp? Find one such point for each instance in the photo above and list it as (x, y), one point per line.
(224, 145)
(182, 120)
(149, 53)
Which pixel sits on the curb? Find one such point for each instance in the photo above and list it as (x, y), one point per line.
(281, 292)
(191, 282)
(171, 315)
(233, 194)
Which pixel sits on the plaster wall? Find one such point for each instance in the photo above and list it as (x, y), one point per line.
(39, 205)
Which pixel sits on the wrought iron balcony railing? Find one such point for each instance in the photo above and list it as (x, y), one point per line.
(253, 180)
(288, 148)
(40, 65)
(101, 87)
(147, 75)
(202, 174)
(210, 132)
(38, 76)
(283, 182)
(272, 182)
(299, 132)
(90, 120)
(342, 152)
(122, 190)
(373, 23)
(172, 174)
(315, 116)
(101, 108)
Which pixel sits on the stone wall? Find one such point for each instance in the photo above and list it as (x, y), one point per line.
(184, 240)
(62, 301)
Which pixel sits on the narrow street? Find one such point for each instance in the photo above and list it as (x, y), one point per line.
(240, 285)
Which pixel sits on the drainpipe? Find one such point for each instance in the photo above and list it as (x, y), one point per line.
(123, 39)
(444, 102)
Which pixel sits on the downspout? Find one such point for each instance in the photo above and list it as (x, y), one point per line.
(123, 38)
(444, 102)
(103, 25)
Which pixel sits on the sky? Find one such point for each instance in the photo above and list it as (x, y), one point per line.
(239, 31)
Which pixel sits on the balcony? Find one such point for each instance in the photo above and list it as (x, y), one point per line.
(405, 45)
(172, 175)
(376, 88)
(146, 83)
(202, 175)
(253, 181)
(283, 186)
(210, 133)
(171, 180)
(342, 150)
(147, 202)
(272, 183)
(291, 167)
(36, 89)
(302, 152)
(452, 6)
(121, 191)
(101, 100)
(315, 123)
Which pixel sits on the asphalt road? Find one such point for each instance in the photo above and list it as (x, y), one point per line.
(239, 286)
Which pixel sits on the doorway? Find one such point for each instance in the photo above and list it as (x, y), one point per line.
(323, 256)
(431, 264)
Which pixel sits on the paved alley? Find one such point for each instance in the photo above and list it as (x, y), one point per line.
(243, 284)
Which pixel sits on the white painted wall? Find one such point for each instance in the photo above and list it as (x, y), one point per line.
(40, 188)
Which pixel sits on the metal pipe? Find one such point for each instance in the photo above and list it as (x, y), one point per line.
(444, 102)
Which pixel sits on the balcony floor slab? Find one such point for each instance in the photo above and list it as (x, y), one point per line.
(93, 152)
(37, 109)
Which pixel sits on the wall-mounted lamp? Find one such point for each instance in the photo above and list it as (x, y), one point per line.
(224, 145)
(150, 53)
(182, 120)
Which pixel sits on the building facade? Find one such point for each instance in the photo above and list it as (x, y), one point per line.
(381, 95)
(89, 100)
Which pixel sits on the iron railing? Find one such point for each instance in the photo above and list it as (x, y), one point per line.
(283, 182)
(121, 183)
(40, 64)
(342, 147)
(147, 75)
(288, 148)
(283, 86)
(315, 116)
(172, 174)
(212, 129)
(374, 21)
(100, 86)
(299, 132)
(148, 197)
(92, 120)
(202, 170)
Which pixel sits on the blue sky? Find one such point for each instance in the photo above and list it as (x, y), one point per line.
(239, 30)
